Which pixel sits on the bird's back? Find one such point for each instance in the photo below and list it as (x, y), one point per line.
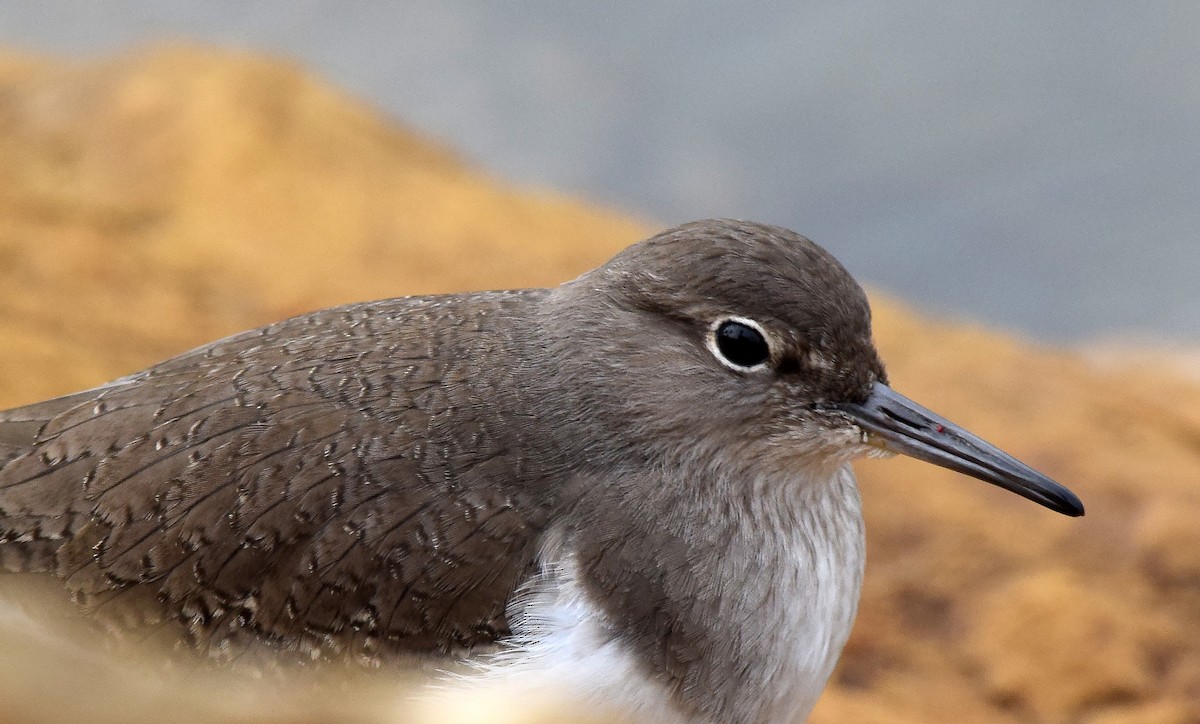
(335, 484)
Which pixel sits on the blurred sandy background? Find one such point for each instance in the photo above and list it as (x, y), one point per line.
(1032, 164)
(153, 200)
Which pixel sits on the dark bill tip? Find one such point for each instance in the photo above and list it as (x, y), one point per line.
(894, 422)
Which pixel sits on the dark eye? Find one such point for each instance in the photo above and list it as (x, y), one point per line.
(741, 344)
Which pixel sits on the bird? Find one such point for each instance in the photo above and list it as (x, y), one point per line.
(635, 485)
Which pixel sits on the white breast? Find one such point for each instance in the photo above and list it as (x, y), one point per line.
(796, 565)
(561, 653)
(814, 557)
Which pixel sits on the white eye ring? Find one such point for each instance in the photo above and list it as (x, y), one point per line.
(759, 350)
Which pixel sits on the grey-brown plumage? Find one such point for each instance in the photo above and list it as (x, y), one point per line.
(342, 481)
(377, 480)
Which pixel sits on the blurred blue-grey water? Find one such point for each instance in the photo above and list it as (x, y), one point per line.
(1032, 165)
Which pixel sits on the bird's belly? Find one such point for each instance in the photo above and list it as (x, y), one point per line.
(561, 654)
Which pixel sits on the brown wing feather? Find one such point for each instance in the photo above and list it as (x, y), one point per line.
(328, 485)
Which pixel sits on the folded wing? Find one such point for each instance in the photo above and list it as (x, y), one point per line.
(280, 488)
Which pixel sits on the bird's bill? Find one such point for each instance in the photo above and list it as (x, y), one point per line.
(895, 423)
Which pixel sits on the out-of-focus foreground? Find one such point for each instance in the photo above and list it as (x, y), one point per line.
(159, 200)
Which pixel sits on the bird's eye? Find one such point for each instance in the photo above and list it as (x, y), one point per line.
(741, 343)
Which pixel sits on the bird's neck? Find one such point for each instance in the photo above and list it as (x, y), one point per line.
(735, 593)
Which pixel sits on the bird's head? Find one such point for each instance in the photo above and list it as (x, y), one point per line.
(721, 340)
